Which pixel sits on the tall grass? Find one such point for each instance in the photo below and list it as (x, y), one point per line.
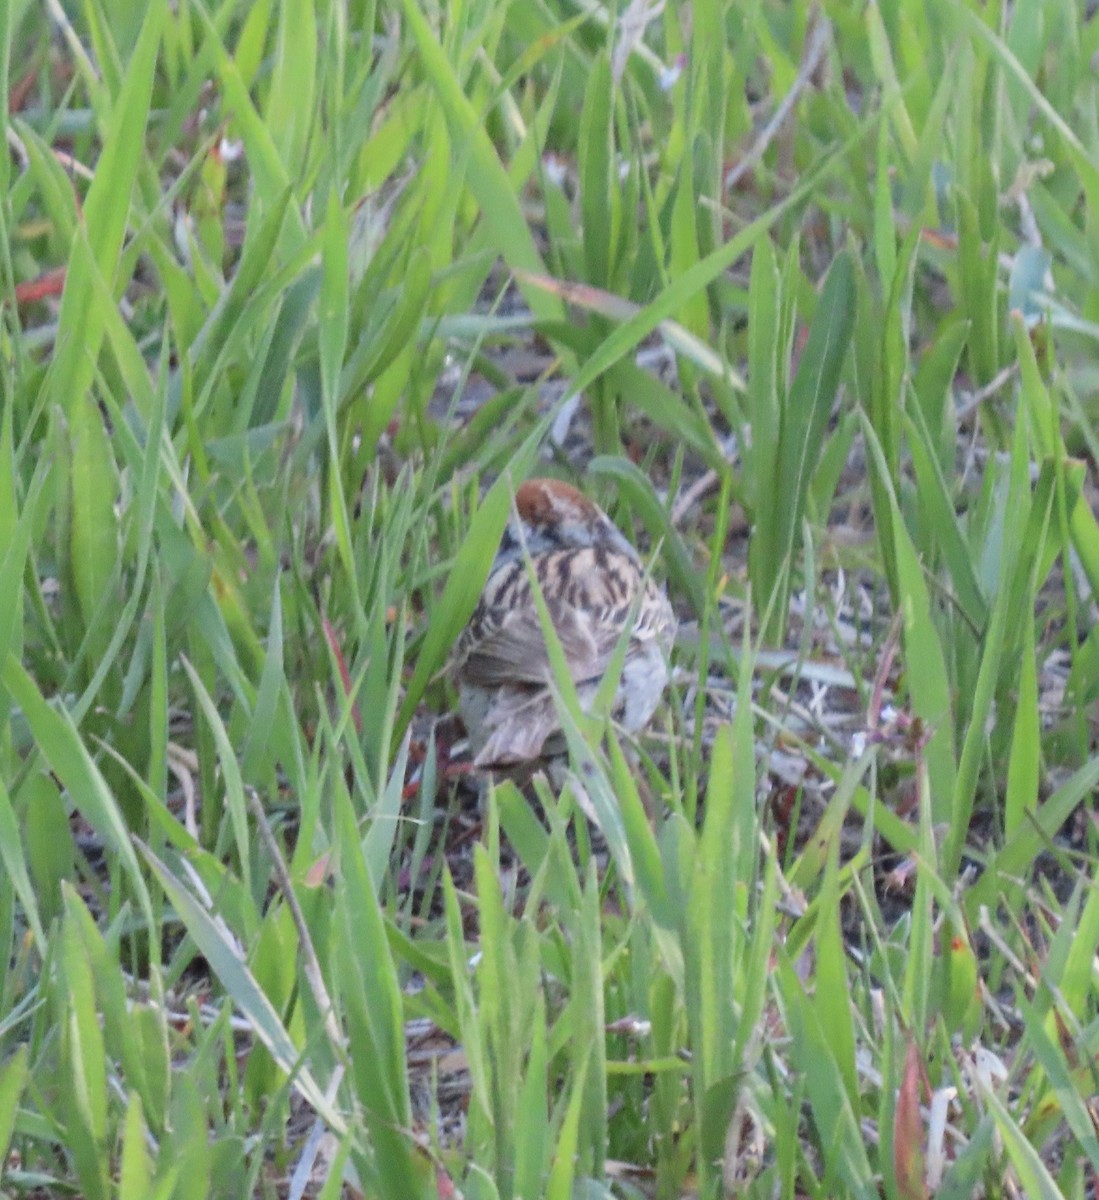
(292, 295)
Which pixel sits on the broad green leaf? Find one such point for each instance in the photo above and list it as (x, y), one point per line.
(135, 1168)
(532, 1141)
(803, 420)
(831, 997)
(290, 98)
(683, 248)
(559, 1185)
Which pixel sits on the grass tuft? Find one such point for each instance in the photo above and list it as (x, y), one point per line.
(292, 297)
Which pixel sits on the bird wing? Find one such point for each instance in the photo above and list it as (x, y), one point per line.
(590, 595)
(518, 724)
(507, 646)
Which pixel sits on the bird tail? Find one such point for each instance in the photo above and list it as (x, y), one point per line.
(519, 724)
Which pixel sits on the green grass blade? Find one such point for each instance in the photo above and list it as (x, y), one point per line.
(1024, 766)
(13, 1079)
(60, 744)
(223, 953)
(470, 570)
(106, 213)
(487, 176)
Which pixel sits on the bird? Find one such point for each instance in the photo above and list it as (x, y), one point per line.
(594, 584)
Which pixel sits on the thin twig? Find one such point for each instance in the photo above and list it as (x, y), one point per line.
(703, 485)
(311, 963)
(814, 52)
(688, 499)
(72, 39)
(974, 400)
(303, 1170)
(15, 145)
(631, 29)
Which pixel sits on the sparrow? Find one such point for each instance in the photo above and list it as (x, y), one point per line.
(594, 584)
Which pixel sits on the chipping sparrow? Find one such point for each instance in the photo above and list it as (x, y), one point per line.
(593, 582)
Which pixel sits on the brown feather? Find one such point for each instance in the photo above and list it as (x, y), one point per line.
(593, 584)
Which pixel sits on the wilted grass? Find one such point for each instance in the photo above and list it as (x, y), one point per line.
(292, 295)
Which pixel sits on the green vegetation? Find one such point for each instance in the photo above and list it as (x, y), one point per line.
(291, 295)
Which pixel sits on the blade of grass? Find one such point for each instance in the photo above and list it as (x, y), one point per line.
(13, 1079)
(802, 424)
(487, 176)
(106, 212)
(59, 742)
(928, 680)
(470, 569)
(221, 951)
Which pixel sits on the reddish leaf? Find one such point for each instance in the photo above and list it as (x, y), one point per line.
(21, 90)
(909, 1157)
(345, 675)
(49, 283)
